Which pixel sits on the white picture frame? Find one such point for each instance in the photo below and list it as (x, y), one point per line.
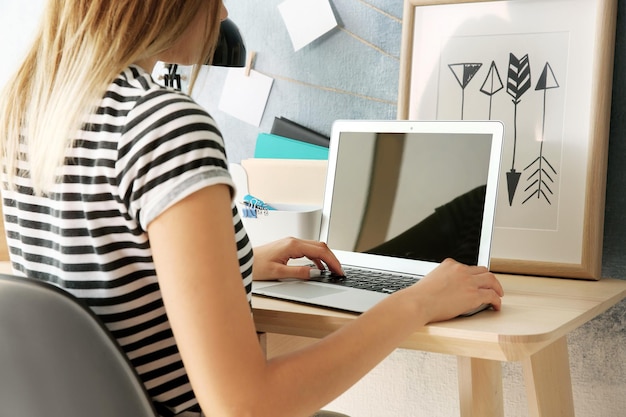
(543, 67)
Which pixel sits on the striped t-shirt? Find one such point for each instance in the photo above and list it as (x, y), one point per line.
(145, 148)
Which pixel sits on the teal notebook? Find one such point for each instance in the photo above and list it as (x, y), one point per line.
(279, 147)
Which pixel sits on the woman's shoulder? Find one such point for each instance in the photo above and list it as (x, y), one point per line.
(137, 86)
(146, 101)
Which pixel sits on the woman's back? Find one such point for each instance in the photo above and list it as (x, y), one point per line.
(144, 149)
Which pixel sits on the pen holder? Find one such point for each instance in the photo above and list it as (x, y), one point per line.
(287, 220)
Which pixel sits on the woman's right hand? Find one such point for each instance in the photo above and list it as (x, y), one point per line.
(454, 288)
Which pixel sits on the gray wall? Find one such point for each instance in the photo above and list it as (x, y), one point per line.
(350, 72)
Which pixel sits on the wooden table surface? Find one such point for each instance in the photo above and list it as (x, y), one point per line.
(535, 312)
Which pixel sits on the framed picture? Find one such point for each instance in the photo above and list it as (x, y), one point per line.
(544, 68)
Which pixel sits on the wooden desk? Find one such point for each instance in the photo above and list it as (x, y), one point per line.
(537, 314)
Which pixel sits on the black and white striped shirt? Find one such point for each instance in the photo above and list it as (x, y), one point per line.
(145, 148)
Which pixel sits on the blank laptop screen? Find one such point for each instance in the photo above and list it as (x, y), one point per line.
(411, 195)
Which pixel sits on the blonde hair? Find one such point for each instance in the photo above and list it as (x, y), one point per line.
(81, 46)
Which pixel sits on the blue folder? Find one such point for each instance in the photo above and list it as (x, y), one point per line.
(279, 147)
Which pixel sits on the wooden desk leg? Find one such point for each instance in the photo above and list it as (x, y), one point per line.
(548, 382)
(480, 387)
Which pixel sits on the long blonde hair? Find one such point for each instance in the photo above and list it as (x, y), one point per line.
(81, 46)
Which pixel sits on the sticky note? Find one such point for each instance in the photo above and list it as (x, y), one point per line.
(245, 96)
(307, 20)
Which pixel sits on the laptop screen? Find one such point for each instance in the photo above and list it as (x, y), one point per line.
(412, 190)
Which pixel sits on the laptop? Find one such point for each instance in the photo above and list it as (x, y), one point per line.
(400, 197)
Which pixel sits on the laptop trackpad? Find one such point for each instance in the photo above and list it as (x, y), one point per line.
(301, 290)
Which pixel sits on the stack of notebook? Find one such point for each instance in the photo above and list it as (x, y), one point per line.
(290, 140)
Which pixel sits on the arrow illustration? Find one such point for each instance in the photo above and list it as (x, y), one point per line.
(518, 82)
(541, 176)
(492, 84)
(464, 72)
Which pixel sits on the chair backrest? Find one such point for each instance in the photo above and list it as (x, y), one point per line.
(58, 360)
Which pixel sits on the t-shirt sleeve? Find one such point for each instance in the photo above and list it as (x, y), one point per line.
(170, 148)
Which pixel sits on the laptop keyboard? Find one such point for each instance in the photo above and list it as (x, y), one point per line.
(369, 279)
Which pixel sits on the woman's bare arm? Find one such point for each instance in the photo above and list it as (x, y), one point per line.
(195, 255)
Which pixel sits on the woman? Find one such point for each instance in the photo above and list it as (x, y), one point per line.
(117, 190)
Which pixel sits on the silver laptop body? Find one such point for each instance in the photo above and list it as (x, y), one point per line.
(400, 197)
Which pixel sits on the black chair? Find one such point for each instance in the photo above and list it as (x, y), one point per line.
(58, 360)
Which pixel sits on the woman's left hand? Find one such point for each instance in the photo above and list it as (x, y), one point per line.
(270, 260)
